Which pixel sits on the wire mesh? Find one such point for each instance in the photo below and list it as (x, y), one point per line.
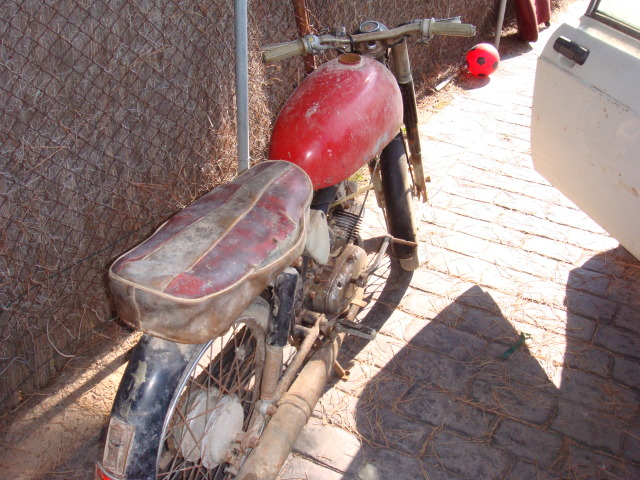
(116, 114)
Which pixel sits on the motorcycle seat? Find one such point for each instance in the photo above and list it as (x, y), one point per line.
(191, 279)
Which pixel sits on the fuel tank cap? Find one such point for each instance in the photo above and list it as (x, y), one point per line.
(349, 59)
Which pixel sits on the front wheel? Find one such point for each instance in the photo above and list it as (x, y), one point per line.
(396, 187)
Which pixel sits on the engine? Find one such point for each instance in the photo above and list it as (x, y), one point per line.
(331, 286)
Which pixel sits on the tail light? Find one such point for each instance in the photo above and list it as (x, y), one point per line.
(101, 474)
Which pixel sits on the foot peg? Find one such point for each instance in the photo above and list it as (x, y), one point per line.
(357, 329)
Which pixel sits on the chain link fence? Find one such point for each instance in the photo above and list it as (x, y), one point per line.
(115, 114)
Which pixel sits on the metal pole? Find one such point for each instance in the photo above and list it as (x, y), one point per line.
(302, 23)
(503, 6)
(242, 84)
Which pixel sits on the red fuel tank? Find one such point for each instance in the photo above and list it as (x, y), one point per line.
(338, 118)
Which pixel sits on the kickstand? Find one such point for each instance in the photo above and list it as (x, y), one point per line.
(341, 372)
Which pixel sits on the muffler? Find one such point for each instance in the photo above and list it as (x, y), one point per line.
(294, 410)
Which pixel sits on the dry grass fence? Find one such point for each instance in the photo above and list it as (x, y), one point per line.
(117, 113)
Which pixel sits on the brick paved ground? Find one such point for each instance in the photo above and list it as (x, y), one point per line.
(505, 253)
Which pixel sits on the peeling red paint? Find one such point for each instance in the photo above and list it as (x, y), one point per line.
(339, 118)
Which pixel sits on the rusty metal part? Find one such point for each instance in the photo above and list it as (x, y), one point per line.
(376, 181)
(353, 195)
(296, 363)
(333, 285)
(341, 372)
(293, 413)
(304, 28)
(271, 372)
(296, 405)
(402, 71)
(403, 242)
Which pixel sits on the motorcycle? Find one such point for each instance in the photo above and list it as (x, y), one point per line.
(245, 296)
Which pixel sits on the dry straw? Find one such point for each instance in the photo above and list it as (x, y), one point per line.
(114, 115)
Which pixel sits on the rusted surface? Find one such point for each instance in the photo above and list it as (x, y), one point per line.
(402, 67)
(271, 372)
(302, 24)
(331, 289)
(191, 279)
(294, 410)
(339, 118)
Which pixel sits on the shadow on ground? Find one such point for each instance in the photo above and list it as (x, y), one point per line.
(448, 406)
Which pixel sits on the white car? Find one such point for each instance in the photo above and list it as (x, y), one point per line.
(585, 127)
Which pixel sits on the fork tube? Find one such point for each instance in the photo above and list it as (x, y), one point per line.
(402, 72)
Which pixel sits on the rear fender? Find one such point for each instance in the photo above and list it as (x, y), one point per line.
(145, 393)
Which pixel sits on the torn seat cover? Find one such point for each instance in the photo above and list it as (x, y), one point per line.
(193, 277)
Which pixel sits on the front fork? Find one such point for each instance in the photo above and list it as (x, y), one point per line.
(402, 72)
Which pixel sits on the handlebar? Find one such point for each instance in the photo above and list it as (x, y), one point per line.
(282, 51)
(314, 44)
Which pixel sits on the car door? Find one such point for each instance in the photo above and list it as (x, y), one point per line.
(585, 126)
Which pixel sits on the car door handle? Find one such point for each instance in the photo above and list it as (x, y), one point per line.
(571, 50)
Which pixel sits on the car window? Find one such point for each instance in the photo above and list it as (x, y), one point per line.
(621, 14)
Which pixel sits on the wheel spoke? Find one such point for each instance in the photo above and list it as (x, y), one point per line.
(227, 365)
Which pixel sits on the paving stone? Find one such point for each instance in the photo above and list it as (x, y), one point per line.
(468, 458)
(583, 463)
(442, 409)
(530, 404)
(627, 372)
(299, 468)
(378, 351)
(616, 262)
(338, 408)
(388, 427)
(384, 389)
(457, 344)
(482, 299)
(595, 392)
(432, 369)
(568, 216)
(382, 464)
(520, 368)
(573, 326)
(595, 283)
(589, 427)
(329, 445)
(359, 378)
(628, 318)
(528, 442)
(422, 305)
(631, 442)
(438, 284)
(583, 304)
(531, 471)
(619, 341)
(583, 356)
(395, 325)
(484, 324)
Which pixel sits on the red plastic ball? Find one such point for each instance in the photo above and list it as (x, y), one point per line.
(483, 60)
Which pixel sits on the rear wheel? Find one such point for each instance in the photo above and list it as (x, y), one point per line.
(396, 186)
(212, 407)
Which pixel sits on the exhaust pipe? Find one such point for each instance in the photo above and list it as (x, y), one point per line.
(294, 410)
